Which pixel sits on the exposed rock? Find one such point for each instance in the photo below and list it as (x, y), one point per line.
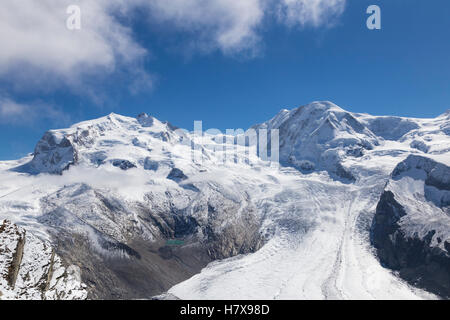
(150, 164)
(411, 233)
(130, 277)
(176, 175)
(123, 164)
(145, 120)
(29, 268)
(54, 153)
(166, 296)
(420, 145)
(12, 242)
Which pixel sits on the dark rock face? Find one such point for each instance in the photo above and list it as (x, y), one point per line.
(420, 145)
(385, 221)
(177, 175)
(417, 262)
(220, 239)
(415, 257)
(53, 154)
(145, 120)
(153, 267)
(343, 173)
(150, 164)
(123, 164)
(238, 238)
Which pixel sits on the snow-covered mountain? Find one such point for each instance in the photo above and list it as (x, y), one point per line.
(127, 213)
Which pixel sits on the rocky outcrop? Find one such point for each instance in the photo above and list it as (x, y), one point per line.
(29, 268)
(53, 154)
(176, 175)
(82, 143)
(123, 164)
(240, 238)
(12, 242)
(411, 227)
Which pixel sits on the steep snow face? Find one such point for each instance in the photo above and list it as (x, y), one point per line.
(390, 128)
(113, 194)
(29, 268)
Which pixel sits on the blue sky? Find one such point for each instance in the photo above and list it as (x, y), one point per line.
(179, 68)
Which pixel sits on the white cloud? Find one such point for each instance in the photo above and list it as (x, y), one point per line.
(234, 25)
(34, 36)
(230, 25)
(9, 108)
(310, 12)
(12, 112)
(37, 45)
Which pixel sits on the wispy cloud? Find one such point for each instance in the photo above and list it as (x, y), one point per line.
(234, 26)
(313, 13)
(23, 114)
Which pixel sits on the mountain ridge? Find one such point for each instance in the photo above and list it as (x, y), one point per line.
(325, 124)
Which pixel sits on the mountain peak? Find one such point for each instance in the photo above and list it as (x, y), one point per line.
(322, 106)
(113, 115)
